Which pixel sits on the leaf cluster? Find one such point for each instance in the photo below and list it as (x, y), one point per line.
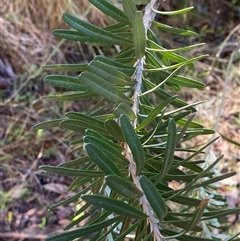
(131, 139)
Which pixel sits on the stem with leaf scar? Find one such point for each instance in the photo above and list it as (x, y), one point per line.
(147, 18)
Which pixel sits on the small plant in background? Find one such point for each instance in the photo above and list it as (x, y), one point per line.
(133, 179)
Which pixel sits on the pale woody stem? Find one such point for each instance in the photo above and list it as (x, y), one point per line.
(148, 17)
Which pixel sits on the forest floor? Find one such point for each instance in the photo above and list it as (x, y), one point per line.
(26, 44)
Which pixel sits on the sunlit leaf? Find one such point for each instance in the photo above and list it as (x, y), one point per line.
(177, 12)
(174, 30)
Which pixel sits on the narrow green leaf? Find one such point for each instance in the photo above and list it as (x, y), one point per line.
(177, 12)
(154, 198)
(153, 114)
(230, 140)
(133, 143)
(76, 162)
(92, 31)
(77, 36)
(171, 56)
(71, 172)
(212, 180)
(123, 186)
(104, 138)
(170, 148)
(186, 48)
(65, 67)
(64, 81)
(83, 231)
(90, 121)
(174, 66)
(127, 69)
(182, 80)
(183, 237)
(101, 87)
(86, 122)
(197, 215)
(71, 95)
(47, 124)
(102, 160)
(174, 30)
(114, 130)
(139, 37)
(110, 10)
(180, 223)
(220, 213)
(110, 74)
(130, 9)
(183, 200)
(112, 153)
(124, 109)
(115, 206)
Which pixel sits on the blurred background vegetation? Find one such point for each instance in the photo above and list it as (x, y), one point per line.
(27, 44)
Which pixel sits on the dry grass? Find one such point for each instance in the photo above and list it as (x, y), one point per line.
(26, 44)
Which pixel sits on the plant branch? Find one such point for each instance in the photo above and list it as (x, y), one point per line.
(149, 15)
